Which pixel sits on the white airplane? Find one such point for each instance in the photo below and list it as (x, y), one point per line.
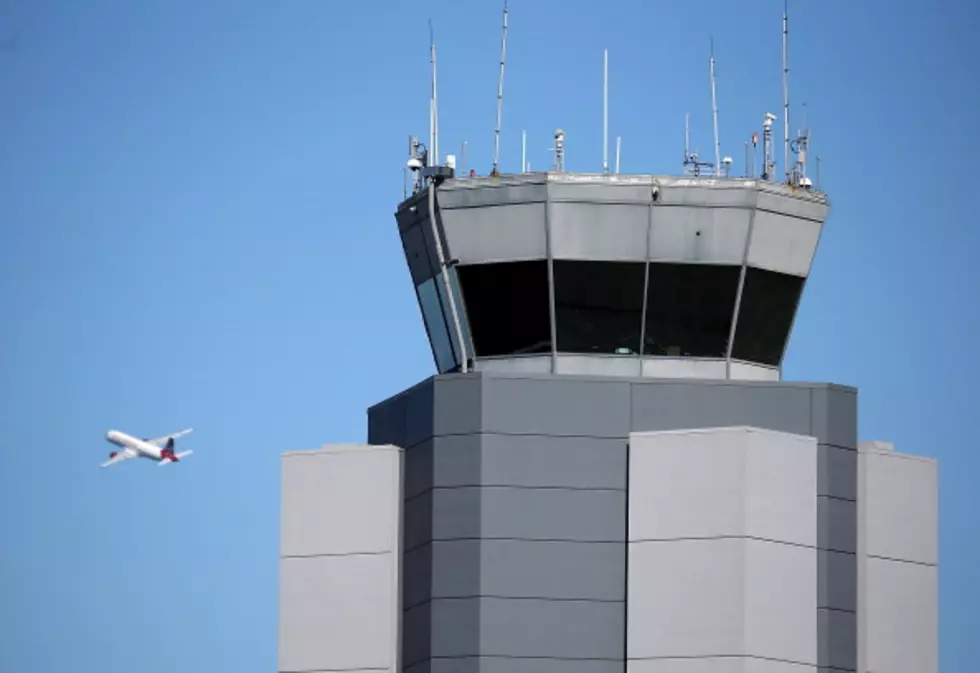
(160, 449)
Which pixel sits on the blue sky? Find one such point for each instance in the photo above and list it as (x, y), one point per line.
(196, 228)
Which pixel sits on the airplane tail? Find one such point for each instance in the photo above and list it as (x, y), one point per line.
(174, 457)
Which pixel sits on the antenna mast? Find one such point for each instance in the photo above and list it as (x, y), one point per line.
(605, 110)
(619, 147)
(433, 105)
(523, 151)
(786, 87)
(714, 108)
(500, 96)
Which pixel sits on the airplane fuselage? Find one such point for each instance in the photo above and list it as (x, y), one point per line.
(143, 448)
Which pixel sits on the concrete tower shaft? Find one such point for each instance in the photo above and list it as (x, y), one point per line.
(649, 276)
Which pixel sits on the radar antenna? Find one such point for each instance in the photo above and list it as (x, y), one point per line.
(500, 96)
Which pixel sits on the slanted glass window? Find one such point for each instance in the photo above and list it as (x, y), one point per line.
(689, 309)
(769, 301)
(598, 306)
(507, 307)
(436, 326)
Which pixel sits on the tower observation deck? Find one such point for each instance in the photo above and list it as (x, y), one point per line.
(613, 275)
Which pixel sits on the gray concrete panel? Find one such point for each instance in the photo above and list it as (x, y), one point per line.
(722, 598)
(708, 192)
(386, 420)
(599, 365)
(520, 665)
(783, 244)
(341, 559)
(462, 194)
(609, 193)
(901, 507)
(837, 524)
(337, 613)
(524, 569)
(689, 594)
(699, 235)
(417, 576)
(457, 461)
(553, 462)
(902, 617)
(458, 404)
(792, 206)
(673, 405)
(780, 602)
(558, 407)
(837, 640)
(835, 415)
(495, 233)
(723, 482)
(837, 580)
(523, 514)
(419, 524)
(837, 472)
(527, 628)
(606, 232)
(327, 496)
(419, 468)
(717, 665)
(417, 635)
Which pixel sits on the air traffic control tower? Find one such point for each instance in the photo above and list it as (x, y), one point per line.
(608, 473)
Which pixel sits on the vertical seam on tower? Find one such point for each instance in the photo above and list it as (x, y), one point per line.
(741, 287)
(646, 277)
(551, 277)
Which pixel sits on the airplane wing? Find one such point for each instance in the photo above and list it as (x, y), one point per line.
(160, 441)
(125, 454)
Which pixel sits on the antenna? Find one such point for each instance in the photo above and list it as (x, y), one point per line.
(434, 114)
(605, 110)
(523, 151)
(500, 96)
(462, 158)
(748, 162)
(687, 136)
(559, 150)
(619, 147)
(714, 107)
(786, 87)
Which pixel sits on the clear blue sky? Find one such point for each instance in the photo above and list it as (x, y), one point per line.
(196, 228)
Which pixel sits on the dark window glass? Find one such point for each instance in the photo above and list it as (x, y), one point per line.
(507, 307)
(436, 325)
(598, 306)
(689, 309)
(768, 305)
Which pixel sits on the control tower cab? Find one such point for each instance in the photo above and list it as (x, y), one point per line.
(609, 274)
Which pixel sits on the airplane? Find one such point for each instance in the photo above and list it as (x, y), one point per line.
(160, 449)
